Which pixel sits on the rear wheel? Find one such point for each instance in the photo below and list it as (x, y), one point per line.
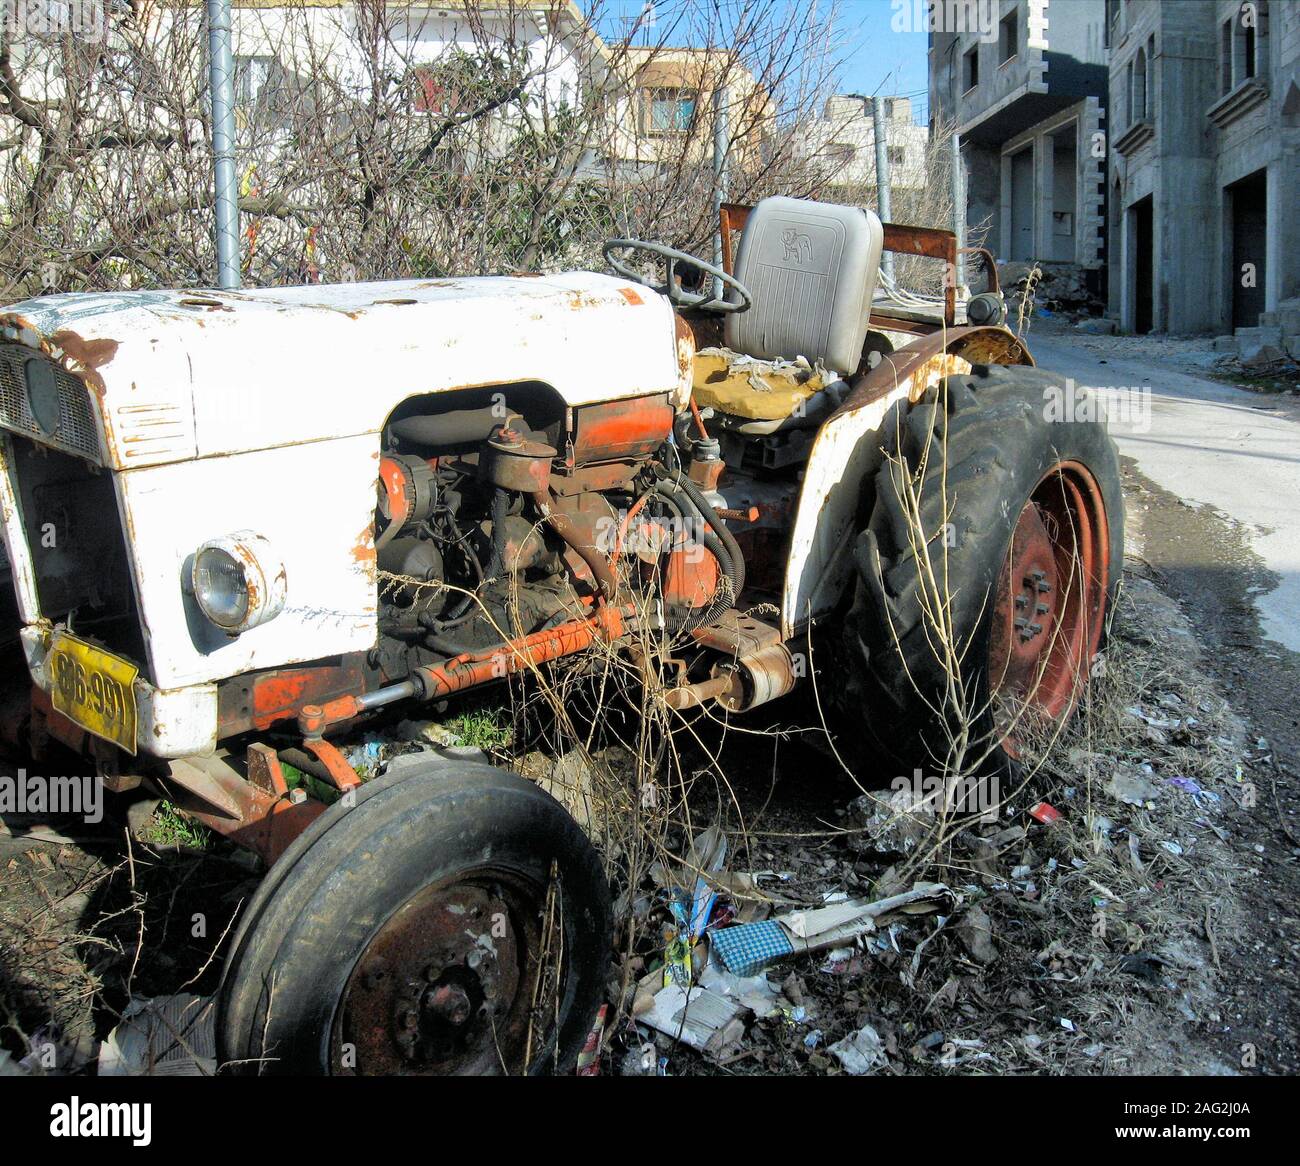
(453, 920)
(986, 571)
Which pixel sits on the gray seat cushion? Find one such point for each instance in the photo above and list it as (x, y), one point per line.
(811, 267)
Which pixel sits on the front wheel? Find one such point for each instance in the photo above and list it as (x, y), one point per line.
(452, 920)
(986, 571)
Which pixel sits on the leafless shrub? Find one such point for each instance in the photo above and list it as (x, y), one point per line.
(382, 140)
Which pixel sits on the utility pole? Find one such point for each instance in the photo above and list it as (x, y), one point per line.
(221, 86)
(720, 144)
(958, 211)
(882, 176)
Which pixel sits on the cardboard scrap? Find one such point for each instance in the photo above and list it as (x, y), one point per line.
(162, 1036)
(697, 1017)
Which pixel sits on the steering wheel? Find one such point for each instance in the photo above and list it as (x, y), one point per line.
(671, 288)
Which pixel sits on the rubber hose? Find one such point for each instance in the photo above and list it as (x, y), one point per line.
(710, 516)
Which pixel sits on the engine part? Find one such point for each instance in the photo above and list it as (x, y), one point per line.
(680, 486)
(511, 461)
(414, 558)
(760, 677)
(692, 575)
(621, 430)
(987, 308)
(408, 493)
(740, 685)
(565, 526)
(455, 427)
(706, 464)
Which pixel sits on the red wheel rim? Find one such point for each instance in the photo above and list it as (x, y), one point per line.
(1049, 607)
(448, 984)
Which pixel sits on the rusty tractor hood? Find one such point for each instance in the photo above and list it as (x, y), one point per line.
(177, 375)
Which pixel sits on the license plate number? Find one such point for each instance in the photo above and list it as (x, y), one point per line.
(94, 689)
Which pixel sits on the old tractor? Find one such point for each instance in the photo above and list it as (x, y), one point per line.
(245, 527)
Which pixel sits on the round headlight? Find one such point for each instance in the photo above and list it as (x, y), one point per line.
(220, 587)
(237, 581)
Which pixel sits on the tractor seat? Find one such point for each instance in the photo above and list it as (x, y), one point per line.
(755, 390)
(811, 269)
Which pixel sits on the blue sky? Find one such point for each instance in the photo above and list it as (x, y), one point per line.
(872, 56)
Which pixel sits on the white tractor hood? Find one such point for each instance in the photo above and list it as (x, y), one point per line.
(196, 374)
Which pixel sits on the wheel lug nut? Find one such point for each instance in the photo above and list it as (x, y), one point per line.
(1021, 601)
(1041, 608)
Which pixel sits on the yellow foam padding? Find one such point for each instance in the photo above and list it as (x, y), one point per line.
(718, 385)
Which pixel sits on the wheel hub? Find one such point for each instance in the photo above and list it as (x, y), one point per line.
(1046, 622)
(445, 985)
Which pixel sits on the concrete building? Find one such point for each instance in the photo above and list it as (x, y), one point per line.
(1204, 212)
(1025, 83)
(843, 139)
(427, 52)
(662, 107)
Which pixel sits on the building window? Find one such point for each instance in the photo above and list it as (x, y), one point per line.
(1008, 36)
(1137, 98)
(897, 155)
(252, 77)
(1243, 40)
(672, 110)
(970, 68)
(841, 153)
(889, 108)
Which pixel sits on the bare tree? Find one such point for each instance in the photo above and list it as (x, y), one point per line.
(378, 140)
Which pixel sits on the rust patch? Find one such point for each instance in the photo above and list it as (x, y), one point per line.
(212, 305)
(363, 550)
(686, 346)
(904, 364)
(91, 355)
(630, 294)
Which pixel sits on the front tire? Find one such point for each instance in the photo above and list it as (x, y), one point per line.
(986, 570)
(453, 920)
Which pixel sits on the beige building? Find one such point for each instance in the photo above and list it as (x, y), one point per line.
(667, 99)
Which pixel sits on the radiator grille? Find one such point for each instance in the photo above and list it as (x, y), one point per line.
(76, 432)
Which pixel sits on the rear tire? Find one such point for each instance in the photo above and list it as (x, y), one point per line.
(402, 935)
(982, 463)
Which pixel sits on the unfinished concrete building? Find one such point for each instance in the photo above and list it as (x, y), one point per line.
(1204, 218)
(1025, 83)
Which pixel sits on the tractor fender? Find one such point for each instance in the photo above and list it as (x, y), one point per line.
(846, 454)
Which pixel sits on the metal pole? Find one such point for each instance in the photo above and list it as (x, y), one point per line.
(958, 209)
(882, 174)
(720, 143)
(221, 84)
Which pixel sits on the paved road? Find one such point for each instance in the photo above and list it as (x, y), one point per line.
(1207, 443)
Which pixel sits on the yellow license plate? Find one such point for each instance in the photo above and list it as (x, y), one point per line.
(94, 688)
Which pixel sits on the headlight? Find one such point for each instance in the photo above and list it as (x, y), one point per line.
(238, 581)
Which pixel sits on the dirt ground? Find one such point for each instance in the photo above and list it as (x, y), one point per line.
(1203, 562)
(1157, 937)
